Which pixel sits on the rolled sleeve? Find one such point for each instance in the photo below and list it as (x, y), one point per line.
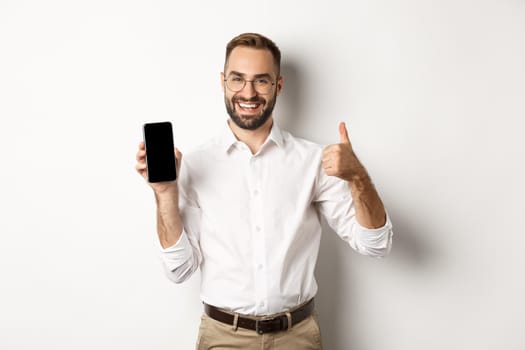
(178, 254)
(335, 202)
(180, 260)
(375, 242)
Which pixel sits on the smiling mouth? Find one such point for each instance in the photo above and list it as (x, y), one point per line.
(248, 107)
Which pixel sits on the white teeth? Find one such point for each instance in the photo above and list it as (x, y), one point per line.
(246, 105)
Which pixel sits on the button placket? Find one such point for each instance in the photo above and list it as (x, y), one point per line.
(259, 244)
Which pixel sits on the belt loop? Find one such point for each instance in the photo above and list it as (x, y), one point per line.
(235, 321)
(289, 317)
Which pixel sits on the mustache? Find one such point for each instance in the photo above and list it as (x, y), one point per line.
(253, 99)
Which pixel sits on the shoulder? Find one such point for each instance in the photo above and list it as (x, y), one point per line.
(300, 145)
(203, 151)
(197, 162)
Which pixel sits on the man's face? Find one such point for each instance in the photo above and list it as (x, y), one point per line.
(248, 108)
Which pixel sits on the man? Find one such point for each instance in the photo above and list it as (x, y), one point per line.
(246, 210)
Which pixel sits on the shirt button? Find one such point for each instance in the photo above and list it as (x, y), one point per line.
(259, 267)
(256, 193)
(257, 228)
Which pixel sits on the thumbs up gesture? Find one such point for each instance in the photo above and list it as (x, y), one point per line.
(340, 160)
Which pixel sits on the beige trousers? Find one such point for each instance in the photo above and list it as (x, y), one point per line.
(214, 335)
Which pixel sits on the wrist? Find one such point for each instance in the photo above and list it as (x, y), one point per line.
(358, 174)
(166, 190)
(167, 196)
(359, 181)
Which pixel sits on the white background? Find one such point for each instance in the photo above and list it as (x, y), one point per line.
(433, 93)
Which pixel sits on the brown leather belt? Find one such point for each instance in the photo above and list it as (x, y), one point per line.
(262, 324)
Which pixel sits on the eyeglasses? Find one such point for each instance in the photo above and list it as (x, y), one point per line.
(262, 86)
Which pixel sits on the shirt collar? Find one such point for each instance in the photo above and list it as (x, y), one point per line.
(228, 139)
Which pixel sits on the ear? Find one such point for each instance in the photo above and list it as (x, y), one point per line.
(279, 83)
(222, 81)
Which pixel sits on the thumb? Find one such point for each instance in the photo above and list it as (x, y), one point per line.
(343, 134)
(178, 155)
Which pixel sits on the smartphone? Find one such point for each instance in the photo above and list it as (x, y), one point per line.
(160, 152)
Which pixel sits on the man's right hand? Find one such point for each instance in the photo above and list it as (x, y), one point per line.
(142, 169)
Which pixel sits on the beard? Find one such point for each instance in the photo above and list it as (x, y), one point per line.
(246, 121)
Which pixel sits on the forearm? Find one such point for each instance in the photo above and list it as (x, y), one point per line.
(169, 223)
(370, 211)
(180, 247)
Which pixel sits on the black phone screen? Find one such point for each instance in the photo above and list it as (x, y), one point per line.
(160, 155)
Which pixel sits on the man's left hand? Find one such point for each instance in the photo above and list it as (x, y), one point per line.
(340, 160)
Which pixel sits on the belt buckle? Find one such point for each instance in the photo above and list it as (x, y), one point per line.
(259, 323)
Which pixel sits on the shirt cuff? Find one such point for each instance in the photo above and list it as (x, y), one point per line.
(375, 241)
(177, 254)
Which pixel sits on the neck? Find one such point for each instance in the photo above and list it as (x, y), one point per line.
(254, 139)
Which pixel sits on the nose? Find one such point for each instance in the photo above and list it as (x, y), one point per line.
(248, 89)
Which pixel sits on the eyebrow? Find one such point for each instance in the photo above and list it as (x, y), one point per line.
(262, 75)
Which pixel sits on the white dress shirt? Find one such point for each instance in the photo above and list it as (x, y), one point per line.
(252, 222)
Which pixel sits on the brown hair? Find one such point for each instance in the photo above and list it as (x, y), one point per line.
(256, 41)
